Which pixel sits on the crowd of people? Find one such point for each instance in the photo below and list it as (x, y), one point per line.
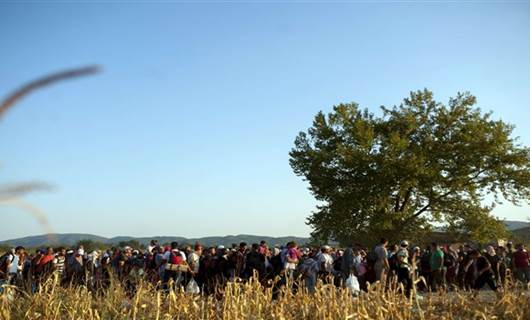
(206, 270)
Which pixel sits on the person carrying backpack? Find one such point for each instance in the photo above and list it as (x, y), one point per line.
(11, 265)
(450, 265)
(174, 265)
(403, 267)
(309, 270)
(255, 262)
(4, 261)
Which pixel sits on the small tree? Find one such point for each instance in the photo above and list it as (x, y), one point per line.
(420, 163)
(131, 243)
(91, 245)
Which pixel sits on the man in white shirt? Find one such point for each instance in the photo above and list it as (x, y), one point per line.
(14, 265)
(153, 244)
(194, 258)
(325, 260)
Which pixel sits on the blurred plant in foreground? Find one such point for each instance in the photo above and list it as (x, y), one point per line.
(11, 194)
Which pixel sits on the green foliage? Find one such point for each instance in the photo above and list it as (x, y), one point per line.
(135, 244)
(4, 249)
(522, 235)
(420, 163)
(91, 245)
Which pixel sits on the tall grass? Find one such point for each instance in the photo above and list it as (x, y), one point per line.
(251, 301)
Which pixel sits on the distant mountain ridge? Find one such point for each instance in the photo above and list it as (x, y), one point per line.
(519, 228)
(69, 239)
(523, 234)
(512, 225)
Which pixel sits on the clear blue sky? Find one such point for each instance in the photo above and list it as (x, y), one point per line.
(187, 131)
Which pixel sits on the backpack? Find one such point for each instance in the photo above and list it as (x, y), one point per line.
(276, 263)
(4, 262)
(175, 258)
(449, 260)
(371, 257)
(254, 260)
(151, 262)
(393, 262)
(337, 265)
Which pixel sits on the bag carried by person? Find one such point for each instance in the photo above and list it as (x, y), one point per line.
(4, 261)
(449, 260)
(393, 262)
(193, 287)
(177, 267)
(352, 283)
(151, 262)
(371, 258)
(176, 263)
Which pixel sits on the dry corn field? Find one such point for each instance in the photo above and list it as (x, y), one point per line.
(251, 301)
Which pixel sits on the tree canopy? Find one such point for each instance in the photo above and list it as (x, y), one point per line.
(420, 164)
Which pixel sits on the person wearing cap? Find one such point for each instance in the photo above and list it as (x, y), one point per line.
(403, 266)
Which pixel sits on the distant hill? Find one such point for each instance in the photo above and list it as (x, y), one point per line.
(522, 235)
(56, 238)
(520, 229)
(68, 239)
(511, 225)
(515, 225)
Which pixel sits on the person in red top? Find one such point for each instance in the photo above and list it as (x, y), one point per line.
(43, 265)
(521, 264)
(46, 258)
(172, 260)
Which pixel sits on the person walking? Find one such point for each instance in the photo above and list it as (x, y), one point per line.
(15, 262)
(437, 267)
(521, 264)
(381, 266)
(484, 271)
(403, 267)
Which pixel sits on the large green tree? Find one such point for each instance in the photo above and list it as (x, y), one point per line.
(418, 165)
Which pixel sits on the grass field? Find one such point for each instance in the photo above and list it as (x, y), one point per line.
(251, 301)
